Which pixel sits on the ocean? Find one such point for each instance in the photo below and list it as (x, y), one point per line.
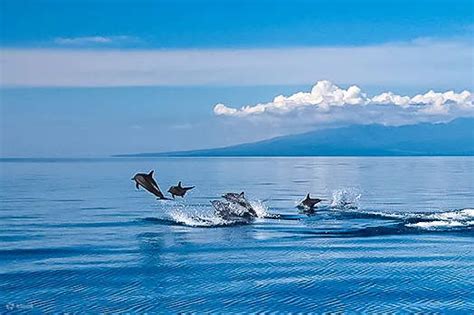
(393, 234)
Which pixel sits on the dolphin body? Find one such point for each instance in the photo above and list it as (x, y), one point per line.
(308, 203)
(231, 211)
(239, 199)
(179, 190)
(147, 182)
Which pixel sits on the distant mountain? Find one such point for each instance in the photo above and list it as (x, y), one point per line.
(443, 139)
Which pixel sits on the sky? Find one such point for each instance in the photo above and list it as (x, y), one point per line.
(97, 78)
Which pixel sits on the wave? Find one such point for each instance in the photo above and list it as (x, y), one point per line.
(348, 201)
(449, 220)
(353, 222)
(342, 209)
(453, 220)
(203, 215)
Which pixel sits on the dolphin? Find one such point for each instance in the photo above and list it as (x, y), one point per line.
(308, 203)
(179, 190)
(147, 182)
(240, 200)
(231, 211)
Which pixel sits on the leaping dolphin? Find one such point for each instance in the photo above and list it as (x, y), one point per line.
(147, 182)
(240, 200)
(179, 190)
(308, 203)
(231, 211)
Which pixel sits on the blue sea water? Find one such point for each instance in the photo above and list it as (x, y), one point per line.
(393, 235)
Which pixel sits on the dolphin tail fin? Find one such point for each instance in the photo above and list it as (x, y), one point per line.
(189, 188)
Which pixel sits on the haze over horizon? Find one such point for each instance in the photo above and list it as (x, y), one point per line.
(173, 76)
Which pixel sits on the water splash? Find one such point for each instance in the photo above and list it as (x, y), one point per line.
(260, 208)
(198, 216)
(345, 199)
(188, 219)
(344, 206)
(205, 215)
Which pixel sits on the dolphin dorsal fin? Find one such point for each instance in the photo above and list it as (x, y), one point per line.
(179, 185)
(241, 194)
(307, 196)
(151, 173)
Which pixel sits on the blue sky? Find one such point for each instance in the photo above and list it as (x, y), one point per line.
(91, 78)
(184, 24)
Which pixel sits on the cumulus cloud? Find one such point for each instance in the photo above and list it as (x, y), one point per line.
(329, 101)
(221, 109)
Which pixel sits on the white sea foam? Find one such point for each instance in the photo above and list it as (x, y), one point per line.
(342, 200)
(204, 216)
(433, 225)
(188, 219)
(345, 199)
(445, 220)
(462, 215)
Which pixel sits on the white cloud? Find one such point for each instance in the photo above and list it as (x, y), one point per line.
(320, 104)
(423, 64)
(391, 98)
(440, 103)
(221, 109)
(88, 40)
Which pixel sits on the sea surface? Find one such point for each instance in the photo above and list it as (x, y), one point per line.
(393, 235)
